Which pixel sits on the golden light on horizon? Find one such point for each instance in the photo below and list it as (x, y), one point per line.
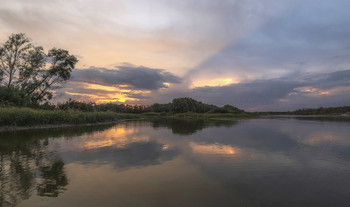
(105, 94)
(214, 82)
(99, 99)
(101, 87)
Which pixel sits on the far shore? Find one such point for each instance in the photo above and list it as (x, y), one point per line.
(311, 116)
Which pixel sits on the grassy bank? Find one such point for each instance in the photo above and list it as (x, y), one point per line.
(31, 117)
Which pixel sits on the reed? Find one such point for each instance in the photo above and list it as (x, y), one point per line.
(28, 117)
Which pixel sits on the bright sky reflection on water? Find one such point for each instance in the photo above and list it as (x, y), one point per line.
(262, 162)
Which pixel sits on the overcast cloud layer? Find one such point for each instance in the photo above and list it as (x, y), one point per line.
(255, 54)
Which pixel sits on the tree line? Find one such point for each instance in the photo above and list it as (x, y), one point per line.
(312, 111)
(323, 111)
(178, 105)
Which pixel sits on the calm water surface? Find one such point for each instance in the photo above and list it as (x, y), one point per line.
(258, 162)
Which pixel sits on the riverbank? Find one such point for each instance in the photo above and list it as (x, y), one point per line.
(14, 119)
(56, 126)
(330, 117)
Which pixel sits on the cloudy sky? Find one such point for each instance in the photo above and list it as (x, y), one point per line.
(254, 54)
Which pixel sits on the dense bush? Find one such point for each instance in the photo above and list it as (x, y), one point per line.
(76, 105)
(183, 105)
(121, 108)
(12, 97)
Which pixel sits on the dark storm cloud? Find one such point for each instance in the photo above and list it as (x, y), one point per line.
(142, 78)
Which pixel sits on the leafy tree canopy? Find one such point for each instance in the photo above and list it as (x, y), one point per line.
(32, 73)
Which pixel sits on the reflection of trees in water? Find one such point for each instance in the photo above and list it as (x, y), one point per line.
(190, 126)
(16, 179)
(8, 139)
(27, 167)
(53, 179)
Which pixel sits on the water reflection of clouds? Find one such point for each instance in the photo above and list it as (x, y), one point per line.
(119, 136)
(254, 160)
(217, 149)
(319, 138)
(117, 142)
(315, 134)
(273, 162)
(135, 154)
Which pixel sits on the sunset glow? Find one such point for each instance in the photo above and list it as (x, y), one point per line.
(240, 53)
(214, 82)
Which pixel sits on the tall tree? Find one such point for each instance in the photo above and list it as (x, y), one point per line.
(14, 55)
(30, 70)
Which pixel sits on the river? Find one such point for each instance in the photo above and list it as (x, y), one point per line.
(179, 162)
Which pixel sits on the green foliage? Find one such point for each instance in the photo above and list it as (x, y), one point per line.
(160, 107)
(12, 97)
(234, 110)
(30, 117)
(121, 108)
(76, 105)
(178, 105)
(27, 68)
(323, 111)
(75, 112)
(218, 110)
(183, 105)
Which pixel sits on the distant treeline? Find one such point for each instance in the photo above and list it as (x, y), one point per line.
(178, 105)
(11, 97)
(323, 111)
(310, 111)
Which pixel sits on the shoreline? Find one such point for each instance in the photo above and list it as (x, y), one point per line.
(54, 126)
(11, 128)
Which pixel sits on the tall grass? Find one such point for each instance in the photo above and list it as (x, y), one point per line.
(30, 117)
(11, 116)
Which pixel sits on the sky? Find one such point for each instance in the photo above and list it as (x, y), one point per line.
(258, 55)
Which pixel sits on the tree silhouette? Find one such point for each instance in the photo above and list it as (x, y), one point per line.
(29, 71)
